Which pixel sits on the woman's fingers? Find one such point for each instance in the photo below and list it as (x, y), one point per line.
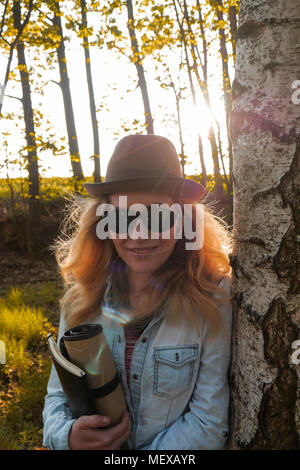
(93, 421)
(87, 433)
(116, 432)
(117, 444)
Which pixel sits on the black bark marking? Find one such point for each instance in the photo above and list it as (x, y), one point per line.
(264, 261)
(253, 316)
(286, 261)
(272, 66)
(238, 299)
(277, 428)
(238, 89)
(279, 332)
(235, 264)
(276, 21)
(255, 241)
(262, 194)
(276, 417)
(253, 28)
(250, 28)
(247, 121)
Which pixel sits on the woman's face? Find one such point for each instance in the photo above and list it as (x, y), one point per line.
(158, 250)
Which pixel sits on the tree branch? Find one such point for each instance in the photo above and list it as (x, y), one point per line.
(56, 83)
(15, 98)
(3, 17)
(22, 26)
(48, 17)
(5, 40)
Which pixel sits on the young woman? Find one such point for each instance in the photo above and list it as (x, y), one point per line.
(173, 353)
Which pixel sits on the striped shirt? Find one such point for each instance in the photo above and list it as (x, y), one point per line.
(133, 329)
(132, 333)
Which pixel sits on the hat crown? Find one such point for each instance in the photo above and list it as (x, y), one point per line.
(146, 163)
(143, 156)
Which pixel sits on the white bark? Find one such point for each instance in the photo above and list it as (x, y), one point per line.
(265, 132)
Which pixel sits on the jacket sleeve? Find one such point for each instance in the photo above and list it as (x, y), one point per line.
(57, 417)
(205, 425)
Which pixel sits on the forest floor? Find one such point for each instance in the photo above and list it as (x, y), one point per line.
(21, 271)
(30, 290)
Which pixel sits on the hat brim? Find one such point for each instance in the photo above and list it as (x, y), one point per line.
(186, 189)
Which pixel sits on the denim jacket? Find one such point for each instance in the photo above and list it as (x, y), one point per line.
(178, 394)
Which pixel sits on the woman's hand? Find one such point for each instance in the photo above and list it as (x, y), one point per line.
(85, 433)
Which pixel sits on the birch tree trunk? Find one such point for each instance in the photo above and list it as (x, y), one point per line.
(219, 7)
(88, 69)
(265, 131)
(34, 210)
(68, 104)
(203, 85)
(11, 45)
(140, 68)
(193, 91)
(232, 17)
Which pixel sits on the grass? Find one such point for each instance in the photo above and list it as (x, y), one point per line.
(50, 188)
(23, 379)
(53, 194)
(56, 187)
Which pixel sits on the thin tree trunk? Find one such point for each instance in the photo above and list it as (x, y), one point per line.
(11, 45)
(182, 153)
(3, 17)
(221, 155)
(3, 87)
(232, 16)
(265, 132)
(177, 99)
(203, 85)
(224, 55)
(200, 145)
(96, 156)
(227, 180)
(68, 105)
(10, 185)
(139, 68)
(33, 220)
(226, 83)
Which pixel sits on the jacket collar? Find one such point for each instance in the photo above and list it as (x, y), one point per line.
(108, 304)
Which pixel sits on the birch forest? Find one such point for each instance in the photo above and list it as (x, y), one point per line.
(221, 80)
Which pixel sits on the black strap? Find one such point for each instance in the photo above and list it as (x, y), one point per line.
(107, 388)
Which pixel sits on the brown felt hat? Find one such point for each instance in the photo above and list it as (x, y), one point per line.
(146, 163)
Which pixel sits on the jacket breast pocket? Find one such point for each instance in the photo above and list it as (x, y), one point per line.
(173, 369)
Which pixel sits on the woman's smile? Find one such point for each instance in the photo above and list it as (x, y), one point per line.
(142, 252)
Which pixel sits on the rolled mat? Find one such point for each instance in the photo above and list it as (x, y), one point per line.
(87, 348)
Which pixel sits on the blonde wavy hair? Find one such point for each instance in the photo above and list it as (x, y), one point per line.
(183, 285)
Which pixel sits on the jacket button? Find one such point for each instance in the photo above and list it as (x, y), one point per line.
(144, 340)
(135, 376)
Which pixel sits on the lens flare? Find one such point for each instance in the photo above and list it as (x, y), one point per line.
(93, 365)
(115, 315)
